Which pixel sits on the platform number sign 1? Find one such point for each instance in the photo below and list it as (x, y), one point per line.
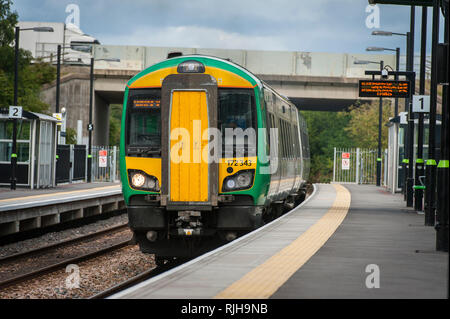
(15, 112)
(421, 103)
(346, 161)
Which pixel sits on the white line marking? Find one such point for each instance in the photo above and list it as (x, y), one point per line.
(57, 200)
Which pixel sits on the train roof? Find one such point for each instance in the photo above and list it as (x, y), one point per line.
(207, 60)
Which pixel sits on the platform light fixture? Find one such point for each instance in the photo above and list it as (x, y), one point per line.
(380, 115)
(90, 125)
(397, 65)
(16, 85)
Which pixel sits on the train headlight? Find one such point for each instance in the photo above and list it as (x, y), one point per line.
(143, 181)
(244, 179)
(152, 183)
(191, 66)
(239, 181)
(231, 184)
(138, 180)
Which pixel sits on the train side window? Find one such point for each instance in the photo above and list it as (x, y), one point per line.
(288, 139)
(297, 149)
(291, 142)
(268, 127)
(291, 138)
(285, 149)
(294, 142)
(281, 137)
(274, 126)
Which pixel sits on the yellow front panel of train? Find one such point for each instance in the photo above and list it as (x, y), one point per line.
(188, 170)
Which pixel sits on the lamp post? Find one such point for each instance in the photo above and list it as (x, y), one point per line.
(442, 182)
(90, 125)
(16, 85)
(58, 80)
(430, 166)
(409, 137)
(418, 193)
(85, 47)
(397, 68)
(380, 120)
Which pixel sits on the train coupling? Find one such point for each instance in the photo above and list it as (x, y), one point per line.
(189, 223)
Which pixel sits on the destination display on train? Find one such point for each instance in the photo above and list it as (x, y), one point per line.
(146, 103)
(379, 88)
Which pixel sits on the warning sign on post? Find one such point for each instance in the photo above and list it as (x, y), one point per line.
(102, 158)
(346, 161)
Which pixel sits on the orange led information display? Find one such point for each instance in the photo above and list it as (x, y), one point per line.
(146, 103)
(384, 88)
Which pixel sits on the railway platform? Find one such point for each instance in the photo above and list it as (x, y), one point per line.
(26, 209)
(344, 241)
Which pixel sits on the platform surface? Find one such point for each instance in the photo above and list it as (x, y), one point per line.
(319, 250)
(26, 198)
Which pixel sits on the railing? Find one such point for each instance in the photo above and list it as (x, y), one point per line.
(72, 163)
(105, 163)
(357, 165)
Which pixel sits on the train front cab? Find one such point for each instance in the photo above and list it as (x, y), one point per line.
(173, 205)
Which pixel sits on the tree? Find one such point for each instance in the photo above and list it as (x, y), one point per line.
(31, 76)
(115, 116)
(363, 125)
(8, 21)
(71, 136)
(357, 127)
(326, 130)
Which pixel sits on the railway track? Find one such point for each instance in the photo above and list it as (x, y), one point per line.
(139, 278)
(60, 244)
(149, 273)
(58, 265)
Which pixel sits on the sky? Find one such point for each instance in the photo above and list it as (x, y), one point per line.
(340, 26)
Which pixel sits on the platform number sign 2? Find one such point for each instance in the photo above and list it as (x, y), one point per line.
(15, 112)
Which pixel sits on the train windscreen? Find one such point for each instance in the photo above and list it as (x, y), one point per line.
(144, 123)
(237, 122)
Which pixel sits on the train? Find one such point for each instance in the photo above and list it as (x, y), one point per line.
(208, 152)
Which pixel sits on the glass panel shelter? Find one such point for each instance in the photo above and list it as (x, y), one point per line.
(36, 149)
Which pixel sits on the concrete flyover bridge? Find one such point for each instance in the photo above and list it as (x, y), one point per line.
(312, 80)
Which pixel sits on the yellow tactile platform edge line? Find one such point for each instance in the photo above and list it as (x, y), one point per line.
(57, 193)
(263, 281)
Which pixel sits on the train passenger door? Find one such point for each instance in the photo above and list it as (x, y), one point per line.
(189, 108)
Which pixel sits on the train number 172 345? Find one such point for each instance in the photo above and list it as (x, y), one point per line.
(246, 162)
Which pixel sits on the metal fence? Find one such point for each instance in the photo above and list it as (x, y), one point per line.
(358, 165)
(63, 163)
(72, 163)
(105, 163)
(79, 156)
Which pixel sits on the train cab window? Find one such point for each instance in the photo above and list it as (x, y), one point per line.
(144, 124)
(237, 110)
